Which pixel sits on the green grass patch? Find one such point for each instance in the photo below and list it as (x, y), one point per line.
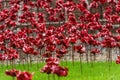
(99, 71)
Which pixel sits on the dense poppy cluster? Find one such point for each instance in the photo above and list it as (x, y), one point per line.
(56, 39)
(10, 54)
(25, 28)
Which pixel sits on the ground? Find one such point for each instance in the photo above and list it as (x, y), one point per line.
(95, 71)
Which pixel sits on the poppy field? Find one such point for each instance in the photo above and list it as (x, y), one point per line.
(59, 39)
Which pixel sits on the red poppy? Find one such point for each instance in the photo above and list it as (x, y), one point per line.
(60, 53)
(31, 4)
(73, 40)
(47, 55)
(80, 49)
(102, 1)
(109, 26)
(52, 61)
(94, 26)
(61, 16)
(111, 1)
(95, 51)
(3, 57)
(118, 60)
(50, 48)
(12, 73)
(70, 6)
(118, 30)
(24, 76)
(12, 56)
(93, 4)
(109, 42)
(65, 42)
(104, 32)
(72, 19)
(117, 38)
(60, 71)
(41, 18)
(118, 7)
(47, 69)
(25, 8)
(53, 18)
(81, 7)
(27, 49)
(114, 18)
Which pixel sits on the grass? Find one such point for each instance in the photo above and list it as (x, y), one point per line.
(99, 71)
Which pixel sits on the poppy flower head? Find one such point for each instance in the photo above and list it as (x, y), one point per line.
(94, 4)
(73, 40)
(60, 53)
(52, 61)
(12, 56)
(46, 69)
(3, 57)
(50, 48)
(60, 71)
(118, 30)
(109, 42)
(24, 76)
(95, 51)
(47, 55)
(72, 19)
(80, 49)
(27, 49)
(12, 73)
(118, 60)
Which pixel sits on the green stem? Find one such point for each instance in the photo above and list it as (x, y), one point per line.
(2, 64)
(37, 64)
(91, 60)
(81, 63)
(28, 61)
(94, 57)
(87, 55)
(12, 61)
(109, 58)
(7, 63)
(72, 52)
(48, 76)
(24, 64)
(53, 76)
(58, 77)
(13, 78)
